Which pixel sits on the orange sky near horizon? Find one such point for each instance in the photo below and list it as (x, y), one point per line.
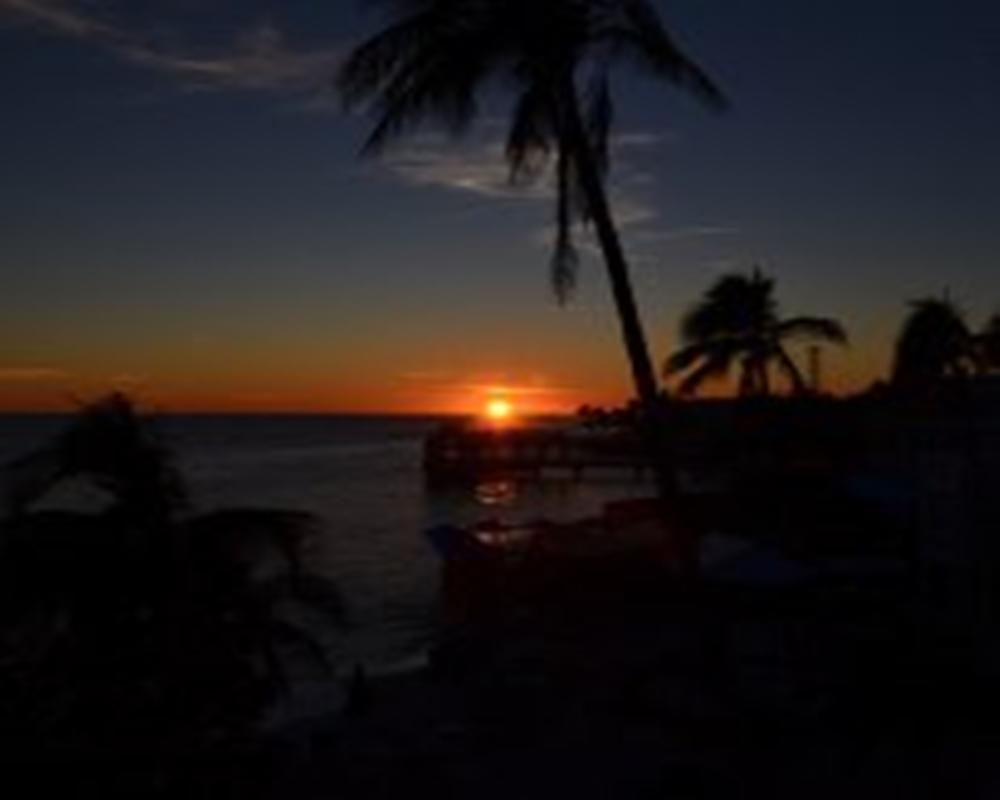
(544, 360)
(205, 388)
(58, 394)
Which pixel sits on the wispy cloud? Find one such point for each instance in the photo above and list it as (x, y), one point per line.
(258, 58)
(722, 264)
(59, 16)
(631, 213)
(478, 169)
(447, 381)
(509, 390)
(686, 232)
(31, 374)
(640, 140)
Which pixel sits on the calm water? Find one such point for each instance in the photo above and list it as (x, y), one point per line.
(362, 477)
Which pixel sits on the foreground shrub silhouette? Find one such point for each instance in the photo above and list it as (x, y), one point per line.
(139, 641)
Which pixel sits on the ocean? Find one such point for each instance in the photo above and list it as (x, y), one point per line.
(362, 477)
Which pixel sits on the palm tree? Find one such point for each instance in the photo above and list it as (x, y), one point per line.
(437, 55)
(737, 324)
(139, 625)
(934, 343)
(988, 340)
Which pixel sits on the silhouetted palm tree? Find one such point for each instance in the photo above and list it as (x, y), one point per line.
(934, 343)
(437, 55)
(136, 624)
(989, 344)
(737, 324)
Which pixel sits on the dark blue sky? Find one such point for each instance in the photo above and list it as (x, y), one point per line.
(182, 211)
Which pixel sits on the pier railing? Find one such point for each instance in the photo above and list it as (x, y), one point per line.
(470, 454)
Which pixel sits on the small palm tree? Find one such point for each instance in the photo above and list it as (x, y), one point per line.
(934, 343)
(434, 59)
(138, 625)
(737, 324)
(988, 340)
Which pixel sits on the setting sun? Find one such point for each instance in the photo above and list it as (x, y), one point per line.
(499, 410)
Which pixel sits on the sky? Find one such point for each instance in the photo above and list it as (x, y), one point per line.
(184, 214)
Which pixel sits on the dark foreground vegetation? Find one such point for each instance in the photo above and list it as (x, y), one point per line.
(140, 642)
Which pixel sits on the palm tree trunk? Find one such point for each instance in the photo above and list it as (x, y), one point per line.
(633, 336)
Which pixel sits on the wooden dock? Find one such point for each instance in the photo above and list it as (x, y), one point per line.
(472, 454)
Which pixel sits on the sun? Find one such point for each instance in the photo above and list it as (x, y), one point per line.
(498, 409)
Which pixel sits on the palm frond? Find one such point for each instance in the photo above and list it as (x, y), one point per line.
(686, 357)
(749, 384)
(564, 256)
(737, 318)
(988, 343)
(790, 370)
(373, 63)
(640, 33)
(736, 304)
(600, 113)
(700, 323)
(530, 138)
(711, 369)
(425, 67)
(410, 100)
(110, 445)
(934, 343)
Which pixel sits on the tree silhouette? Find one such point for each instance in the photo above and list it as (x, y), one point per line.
(737, 324)
(934, 343)
(988, 341)
(436, 56)
(139, 630)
